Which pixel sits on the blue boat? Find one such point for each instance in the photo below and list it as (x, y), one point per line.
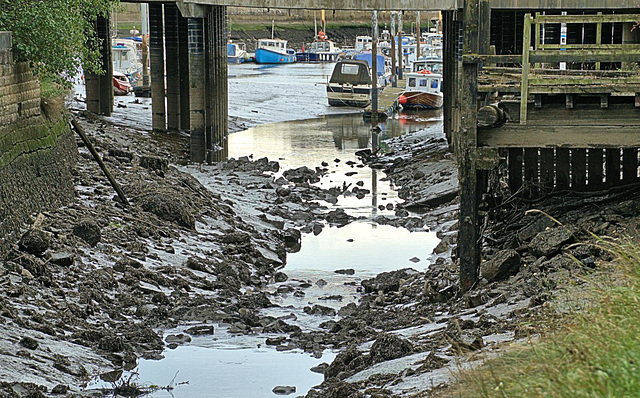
(236, 53)
(274, 51)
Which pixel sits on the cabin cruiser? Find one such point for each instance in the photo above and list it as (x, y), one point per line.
(422, 91)
(350, 84)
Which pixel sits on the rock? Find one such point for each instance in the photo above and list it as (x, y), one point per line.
(284, 390)
(320, 368)
(536, 226)
(111, 343)
(345, 363)
(414, 259)
(280, 277)
(60, 389)
(502, 265)
(34, 241)
(154, 163)
(300, 175)
(387, 281)
(195, 264)
(89, 231)
(178, 338)
(29, 342)
(389, 346)
(442, 247)
(338, 217)
(347, 271)
(347, 310)
(64, 259)
(200, 330)
(283, 191)
(549, 241)
(275, 340)
(321, 282)
(320, 310)
(169, 208)
(292, 240)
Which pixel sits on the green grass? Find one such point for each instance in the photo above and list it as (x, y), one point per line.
(596, 353)
(52, 88)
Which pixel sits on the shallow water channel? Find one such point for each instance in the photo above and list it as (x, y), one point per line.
(226, 365)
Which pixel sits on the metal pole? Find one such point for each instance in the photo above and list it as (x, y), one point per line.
(144, 8)
(394, 82)
(417, 35)
(374, 63)
(400, 56)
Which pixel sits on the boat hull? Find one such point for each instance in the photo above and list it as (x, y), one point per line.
(266, 56)
(355, 96)
(317, 57)
(235, 60)
(420, 100)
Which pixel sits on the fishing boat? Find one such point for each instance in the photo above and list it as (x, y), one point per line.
(350, 84)
(274, 51)
(432, 64)
(236, 53)
(319, 51)
(121, 84)
(423, 91)
(126, 57)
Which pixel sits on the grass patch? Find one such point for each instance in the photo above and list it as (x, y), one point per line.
(596, 353)
(52, 88)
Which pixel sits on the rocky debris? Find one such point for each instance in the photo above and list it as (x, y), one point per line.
(549, 241)
(347, 271)
(89, 231)
(167, 207)
(387, 281)
(201, 330)
(63, 258)
(154, 163)
(302, 174)
(29, 342)
(501, 265)
(389, 346)
(34, 241)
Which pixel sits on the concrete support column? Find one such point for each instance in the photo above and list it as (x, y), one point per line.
(197, 91)
(400, 55)
(173, 65)
(217, 84)
(156, 49)
(99, 88)
(183, 64)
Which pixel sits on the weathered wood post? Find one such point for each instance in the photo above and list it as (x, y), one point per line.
(156, 36)
(183, 64)
(400, 56)
(465, 143)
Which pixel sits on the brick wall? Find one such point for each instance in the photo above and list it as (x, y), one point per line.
(37, 150)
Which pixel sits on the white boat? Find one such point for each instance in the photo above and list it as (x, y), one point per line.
(126, 57)
(432, 64)
(121, 84)
(350, 84)
(320, 51)
(236, 53)
(422, 91)
(362, 43)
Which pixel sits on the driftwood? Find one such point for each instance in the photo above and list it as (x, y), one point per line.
(96, 156)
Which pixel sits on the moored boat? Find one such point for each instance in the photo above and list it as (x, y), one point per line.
(350, 84)
(423, 91)
(274, 51)
(121, 84)
(319, 51)
(236, 53)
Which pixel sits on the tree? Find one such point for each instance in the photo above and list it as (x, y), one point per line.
(56, 36)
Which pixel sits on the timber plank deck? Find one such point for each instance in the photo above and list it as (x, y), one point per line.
(387, 103)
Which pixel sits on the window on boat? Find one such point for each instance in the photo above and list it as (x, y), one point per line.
(348, 69)
(412, 82)
(423, 82)
(434, 84)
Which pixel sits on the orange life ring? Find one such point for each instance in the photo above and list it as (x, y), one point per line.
(322, 35)
(425, 71)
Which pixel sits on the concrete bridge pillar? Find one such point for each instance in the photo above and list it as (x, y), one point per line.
(197, 90)
(183, 65)
(156, 36)
(99, 88)
(217, 84)
(172, 45)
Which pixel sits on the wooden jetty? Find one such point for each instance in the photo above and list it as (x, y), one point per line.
(387, 102)
(514, 108)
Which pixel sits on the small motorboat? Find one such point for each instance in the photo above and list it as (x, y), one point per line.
(121, 84)
(423, 91)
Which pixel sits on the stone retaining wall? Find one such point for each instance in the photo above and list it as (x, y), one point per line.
(37, 151)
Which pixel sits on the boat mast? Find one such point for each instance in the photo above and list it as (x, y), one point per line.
(273, 26)
(144, 8)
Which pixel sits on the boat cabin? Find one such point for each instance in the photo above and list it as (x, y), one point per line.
(432, 64)
(424, 81)
(363, 43)
(273, 44)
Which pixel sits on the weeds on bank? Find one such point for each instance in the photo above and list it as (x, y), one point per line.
(52, 88)
(595, 354)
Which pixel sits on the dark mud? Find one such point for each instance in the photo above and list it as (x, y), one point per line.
(89, 286)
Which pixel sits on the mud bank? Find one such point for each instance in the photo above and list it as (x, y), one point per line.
(91, 287)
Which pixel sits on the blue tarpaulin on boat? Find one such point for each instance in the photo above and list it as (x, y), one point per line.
(367, 57)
